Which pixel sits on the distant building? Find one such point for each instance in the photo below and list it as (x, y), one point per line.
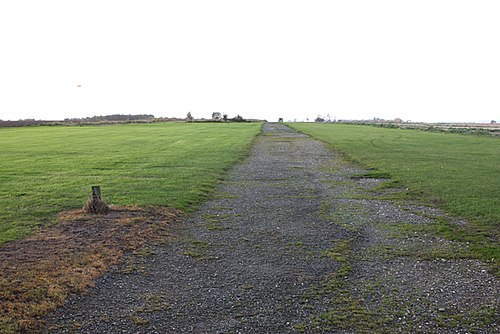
(398, 120)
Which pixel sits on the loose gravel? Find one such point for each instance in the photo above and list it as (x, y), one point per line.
(293, 241)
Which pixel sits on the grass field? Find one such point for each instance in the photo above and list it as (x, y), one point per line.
(458, 173)
(44, 170)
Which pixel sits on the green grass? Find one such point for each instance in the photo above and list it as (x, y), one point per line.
(460, 174)
(44, 170)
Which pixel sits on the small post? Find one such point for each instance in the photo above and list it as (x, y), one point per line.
(96, 192)
(95, 204)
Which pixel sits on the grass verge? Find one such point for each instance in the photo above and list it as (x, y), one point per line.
(45, 170)
(457, 173)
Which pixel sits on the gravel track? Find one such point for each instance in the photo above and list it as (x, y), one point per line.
(293, 241)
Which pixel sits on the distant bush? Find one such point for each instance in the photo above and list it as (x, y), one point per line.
(95, 120)
(111, 118)
(238, 119)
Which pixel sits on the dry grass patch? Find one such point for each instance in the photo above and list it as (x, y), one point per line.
(39, 272)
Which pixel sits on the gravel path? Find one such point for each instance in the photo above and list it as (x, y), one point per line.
(293, 241)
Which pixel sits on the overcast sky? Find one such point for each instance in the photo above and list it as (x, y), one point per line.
(436, 60)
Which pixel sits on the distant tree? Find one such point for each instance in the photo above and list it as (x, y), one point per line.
(224, 117)
(319, 119)
(493, 122)
(189, 117)
(238, 119)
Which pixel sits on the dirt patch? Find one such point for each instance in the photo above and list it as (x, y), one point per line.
(39, 272)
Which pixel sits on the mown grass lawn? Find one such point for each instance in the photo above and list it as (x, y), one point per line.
(459, 173)
(44, 170)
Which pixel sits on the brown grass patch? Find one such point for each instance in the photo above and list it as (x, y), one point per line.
(39, 272)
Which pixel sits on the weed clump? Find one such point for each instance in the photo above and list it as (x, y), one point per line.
(96, 206)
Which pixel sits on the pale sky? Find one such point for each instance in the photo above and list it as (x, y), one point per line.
(436, 60)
